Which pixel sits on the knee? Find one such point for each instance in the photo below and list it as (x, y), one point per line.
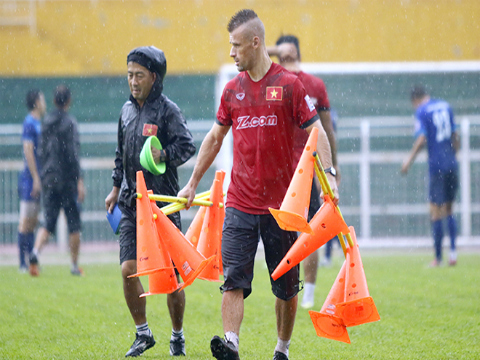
(129, 267)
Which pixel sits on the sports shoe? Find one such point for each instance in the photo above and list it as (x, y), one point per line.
(435, 263)
(223, 349)
(306, 304)
(33, 267)
(453, 258)
(141, 343)
(76, 271)
(279, 356)
(177, 347)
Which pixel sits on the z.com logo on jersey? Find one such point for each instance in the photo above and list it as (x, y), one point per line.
(245, 122)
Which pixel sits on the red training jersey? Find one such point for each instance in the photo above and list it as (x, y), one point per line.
(317, 91)
(263, 116)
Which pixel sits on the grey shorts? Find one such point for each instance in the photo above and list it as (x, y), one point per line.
(240, 237)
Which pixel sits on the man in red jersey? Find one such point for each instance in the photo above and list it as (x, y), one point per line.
(263, 105)
(287, 49)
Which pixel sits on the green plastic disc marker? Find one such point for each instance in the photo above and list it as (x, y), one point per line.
(146, 157)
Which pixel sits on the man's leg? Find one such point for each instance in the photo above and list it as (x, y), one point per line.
(452, 231)
(74, 239)
(40, 241)
(310, 266)
(132, 289)
(285, 311)
(436, 213)
(176, 308)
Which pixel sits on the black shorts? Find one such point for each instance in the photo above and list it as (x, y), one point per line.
(128, 232)
(240, 237)
(55, 199)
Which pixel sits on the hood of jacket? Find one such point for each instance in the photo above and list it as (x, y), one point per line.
(155, 61)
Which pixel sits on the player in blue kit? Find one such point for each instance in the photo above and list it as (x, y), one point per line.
(29, 186)
(435, 127)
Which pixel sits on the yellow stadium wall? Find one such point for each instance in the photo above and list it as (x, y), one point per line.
(94, 37)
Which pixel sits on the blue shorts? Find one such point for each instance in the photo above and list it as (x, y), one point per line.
(25, 186)
(240, 237)
(443, 187)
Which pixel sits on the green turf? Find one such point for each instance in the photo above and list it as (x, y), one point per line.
(426, 314)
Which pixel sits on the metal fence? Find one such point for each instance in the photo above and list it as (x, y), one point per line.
(385, 208)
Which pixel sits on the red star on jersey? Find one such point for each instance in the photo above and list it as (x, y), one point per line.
(274, 93)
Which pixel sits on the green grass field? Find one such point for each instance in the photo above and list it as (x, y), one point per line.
(426, 314)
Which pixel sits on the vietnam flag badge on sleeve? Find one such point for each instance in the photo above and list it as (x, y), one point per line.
(274, 93)
(149, 130)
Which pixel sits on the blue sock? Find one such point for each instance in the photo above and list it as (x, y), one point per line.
(437, 232)
(452, 230)
(22, 249)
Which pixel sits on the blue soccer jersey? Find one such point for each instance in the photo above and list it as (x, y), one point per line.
(31, 133)
(435, 121)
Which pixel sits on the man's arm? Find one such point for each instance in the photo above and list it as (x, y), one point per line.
(32, 167)
(206, 155)
(325, 155)
(417, 146)
(327, 124)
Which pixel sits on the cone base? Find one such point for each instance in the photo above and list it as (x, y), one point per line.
(358, 312)
(329, 326)
(290, 221)
(150, 272)
(197, 271)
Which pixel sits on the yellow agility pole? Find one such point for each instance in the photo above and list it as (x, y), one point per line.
(174, 207)
(175, 199)
(328, 190)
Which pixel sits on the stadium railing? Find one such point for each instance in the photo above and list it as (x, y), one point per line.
(386, 209)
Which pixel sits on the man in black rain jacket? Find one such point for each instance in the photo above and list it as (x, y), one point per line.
(147, 112)
(62, 184)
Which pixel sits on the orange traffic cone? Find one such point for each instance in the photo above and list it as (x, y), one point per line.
(193, 232)
(326, 223)
(162, 282)
(358, 307)
(210, 242)
(150, 257)
(326, 322)
(188, 261)
(293, 212)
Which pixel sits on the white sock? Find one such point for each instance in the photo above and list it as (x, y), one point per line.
(282, 346)
(309, 292)
(143, 329)
(233, 338)
(177, 334)
(453, 255)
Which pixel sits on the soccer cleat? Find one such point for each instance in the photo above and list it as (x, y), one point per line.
(223, 349)
(279, 356)
(33, 267)
(453, 258)
(177, 347)
(141, 343)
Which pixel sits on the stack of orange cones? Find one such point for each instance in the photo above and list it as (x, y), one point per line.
(210, 241)
(348, 302)
(159, 242)
(292, 215)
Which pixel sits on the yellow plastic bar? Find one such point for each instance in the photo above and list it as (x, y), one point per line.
(328, 190)
(199, 198)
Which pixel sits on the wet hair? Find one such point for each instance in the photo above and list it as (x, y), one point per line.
(418, 92)
(31, 98)
(240, 18)
(290, 39)
(61, 96)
